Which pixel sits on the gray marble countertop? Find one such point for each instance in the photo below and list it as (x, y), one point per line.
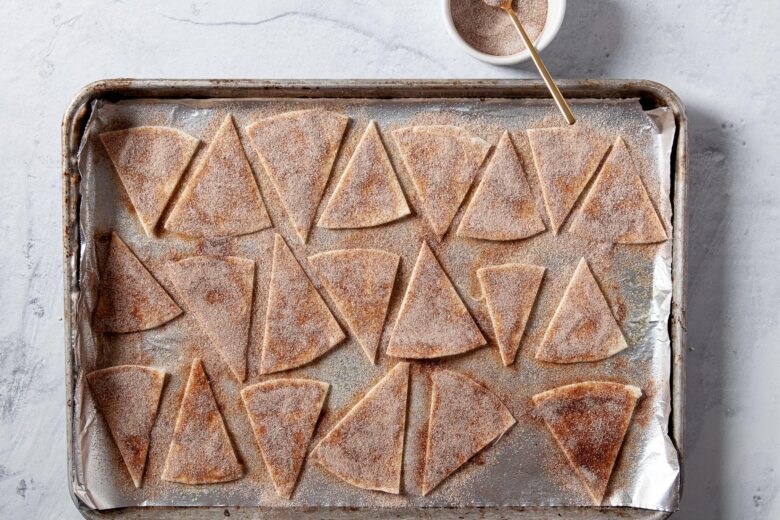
(721, 57)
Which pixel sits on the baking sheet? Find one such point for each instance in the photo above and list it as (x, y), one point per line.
(525, 468)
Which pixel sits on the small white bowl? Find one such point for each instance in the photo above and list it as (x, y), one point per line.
(555, 11)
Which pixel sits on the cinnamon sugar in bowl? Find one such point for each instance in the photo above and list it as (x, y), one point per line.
(487, 33)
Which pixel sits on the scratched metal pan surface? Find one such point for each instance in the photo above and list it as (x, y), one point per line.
(366, 93)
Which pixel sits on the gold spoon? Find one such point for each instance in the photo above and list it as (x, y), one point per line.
(563, 106)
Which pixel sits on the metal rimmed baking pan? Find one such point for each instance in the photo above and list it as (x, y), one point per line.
(650, 94)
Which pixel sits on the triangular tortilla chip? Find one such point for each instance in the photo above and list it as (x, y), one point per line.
(589, 421)
(618, 209)
(298, 150)
(442, 162)
(218, 291)
(433, 321)
(283, 413)
(583, 327)
(360, 282)
(130, 299)
(368, 193)
(222, 198)
(465, 417)
(566, 159)
(366, 448)
(200, 451)
(149, 161)
(510, 292)
(299, 327)
(128, 396)
(503, 207)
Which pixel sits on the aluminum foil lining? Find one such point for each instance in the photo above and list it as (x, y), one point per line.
(523, 468)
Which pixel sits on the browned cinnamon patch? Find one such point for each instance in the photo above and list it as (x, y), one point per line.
(589, 421)
(420, 441)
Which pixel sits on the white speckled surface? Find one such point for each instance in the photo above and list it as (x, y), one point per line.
(719, 56)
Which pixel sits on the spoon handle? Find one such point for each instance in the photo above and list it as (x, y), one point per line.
(563, 106)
